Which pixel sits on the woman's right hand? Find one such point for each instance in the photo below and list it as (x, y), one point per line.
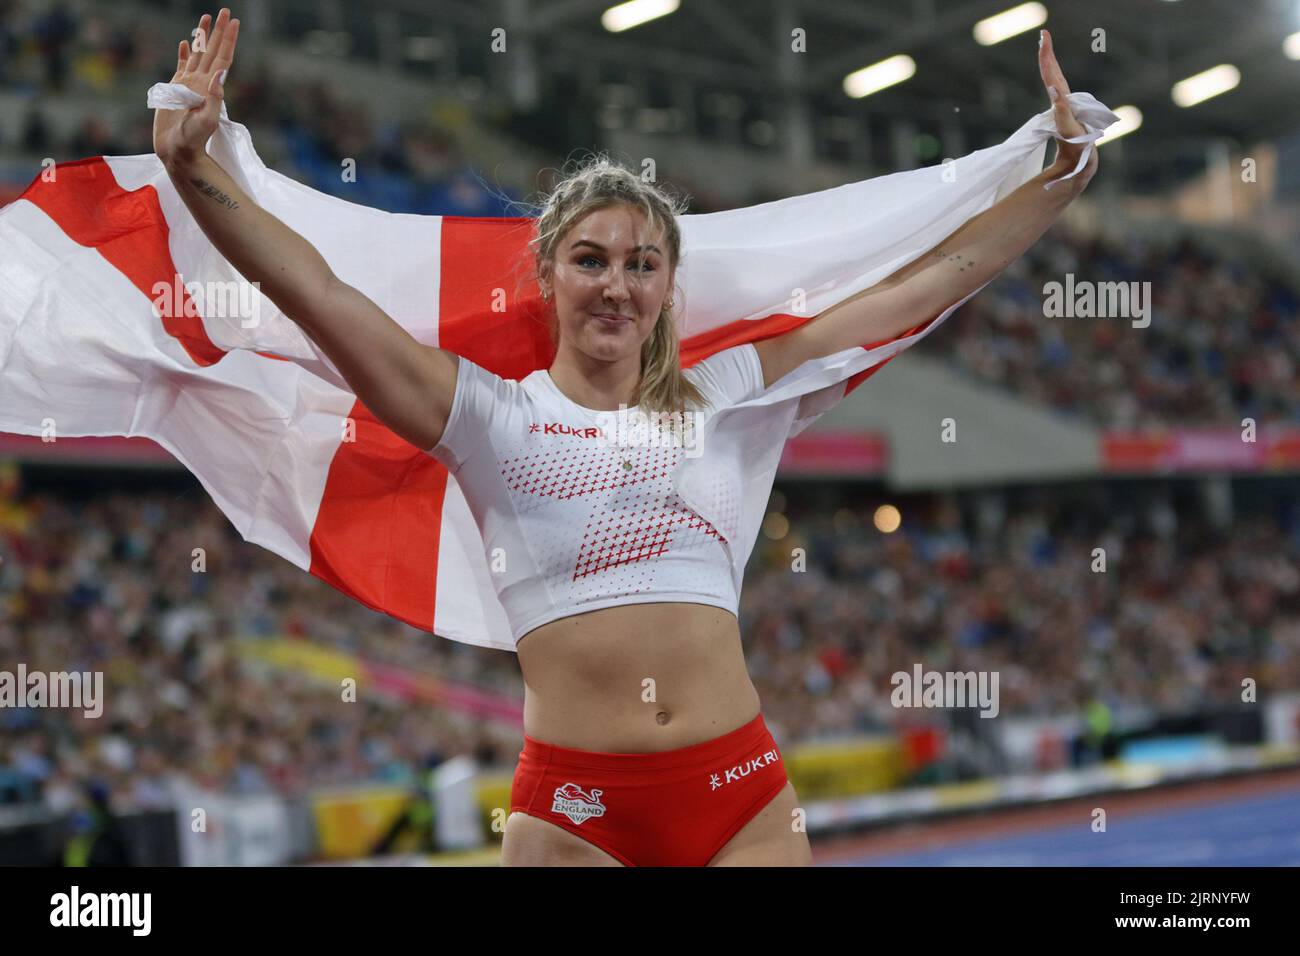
(181, 135)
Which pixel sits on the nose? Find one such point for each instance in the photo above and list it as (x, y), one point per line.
(616, 287)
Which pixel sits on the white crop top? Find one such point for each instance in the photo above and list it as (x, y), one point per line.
(577, 508)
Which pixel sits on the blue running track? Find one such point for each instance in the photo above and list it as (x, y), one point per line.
(1243, 831)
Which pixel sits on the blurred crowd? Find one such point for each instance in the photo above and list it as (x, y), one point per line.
(1223, 341)
(303, 128)
(1179, 616)
(110, 587)
(60, 46)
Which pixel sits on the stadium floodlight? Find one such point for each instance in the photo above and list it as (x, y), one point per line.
(1130, 118)
(1008, 23)
(872, 79)
(1291, 47)
(625, 16)
(1202, 86)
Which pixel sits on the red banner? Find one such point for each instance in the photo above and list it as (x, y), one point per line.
(86, 451)
(1202, 449)
(849, 454)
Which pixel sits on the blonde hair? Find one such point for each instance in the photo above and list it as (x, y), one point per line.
(599, 183)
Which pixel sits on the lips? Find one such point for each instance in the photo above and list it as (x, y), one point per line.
(612, 317)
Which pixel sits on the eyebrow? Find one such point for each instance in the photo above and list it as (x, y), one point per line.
(597, 245)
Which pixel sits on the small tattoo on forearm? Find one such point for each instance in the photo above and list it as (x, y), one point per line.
(214, 193)
(963, 263)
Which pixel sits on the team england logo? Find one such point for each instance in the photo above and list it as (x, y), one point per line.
(576, 804)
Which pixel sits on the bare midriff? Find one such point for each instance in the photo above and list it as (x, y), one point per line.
(637, 678)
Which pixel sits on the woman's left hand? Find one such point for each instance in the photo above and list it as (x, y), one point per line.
(1067, 154)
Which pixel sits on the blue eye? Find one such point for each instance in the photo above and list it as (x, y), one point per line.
(646, 266)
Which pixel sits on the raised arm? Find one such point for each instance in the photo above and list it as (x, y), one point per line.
(973, 255)
(406, 385)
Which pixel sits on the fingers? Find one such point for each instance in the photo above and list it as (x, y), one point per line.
(1066, 124)
(1050, 69)
(226, 55)
(215, 94)
(211, 52)
(200, 44)
(214, 41)
(1046, 61)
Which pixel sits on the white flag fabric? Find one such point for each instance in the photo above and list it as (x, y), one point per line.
(118, 317)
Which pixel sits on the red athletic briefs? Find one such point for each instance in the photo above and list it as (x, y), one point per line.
(669, 808)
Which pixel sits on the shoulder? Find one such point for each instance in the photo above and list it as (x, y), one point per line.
(483, 403)
(729, 376)
(474, 381)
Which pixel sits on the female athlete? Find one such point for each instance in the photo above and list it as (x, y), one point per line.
(644, 741)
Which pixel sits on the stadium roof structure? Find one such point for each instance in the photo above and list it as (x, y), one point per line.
(708, 53)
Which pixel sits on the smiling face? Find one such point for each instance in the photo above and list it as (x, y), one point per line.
(608, 264)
